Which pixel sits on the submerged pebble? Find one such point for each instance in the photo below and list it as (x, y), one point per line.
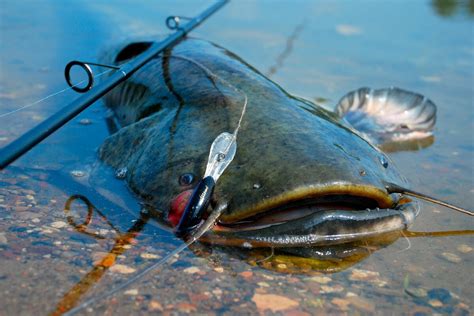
(186, 307)
(131, 292)
(219, 269)
(435, 303)
(191, 270)
(464, 248)
(321, 279)
(58, 224)
(417, 292)
(363, 275)
(155, 306)
(451, 257)
(361, 303)
(440, 294)
(217, 292)
(3, 239)
(121, 268)
(146, 255)
(246, 274)
(273, 302)
(343, 304)
(332, 289)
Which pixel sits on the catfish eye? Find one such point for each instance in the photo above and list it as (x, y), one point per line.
(186, 179)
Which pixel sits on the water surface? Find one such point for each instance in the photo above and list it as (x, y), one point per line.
(315, 49)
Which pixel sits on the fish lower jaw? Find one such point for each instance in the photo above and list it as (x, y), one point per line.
(300, 208)
(319, 228)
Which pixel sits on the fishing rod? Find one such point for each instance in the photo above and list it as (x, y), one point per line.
(34, 136)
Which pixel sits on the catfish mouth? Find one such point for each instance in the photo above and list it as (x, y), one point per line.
(319, 219)
(294, 210)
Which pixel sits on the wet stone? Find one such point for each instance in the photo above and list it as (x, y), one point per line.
(451, 257)
(361, 304)
(21, 208)
(435, 303)
(321, 279)
(155, 306)
(3, 239)
(121, 268)
(28, 215)
(363, 275)
(440, 294)
(273, 302)
(332, 289)
(417, 292)
(131, 292)
(217, 292)
(343, 304)
(146, 255)
(246, 274)
(186, 307)
(191, 270)
(59, 224)
(17, 229)
(464, 248)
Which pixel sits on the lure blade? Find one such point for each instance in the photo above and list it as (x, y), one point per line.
(222, 153)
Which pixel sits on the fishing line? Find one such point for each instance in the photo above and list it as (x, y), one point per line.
(272, 253)
(408, 241)
(222, 153)
(228, 84)
(198, 233)
(51, 95)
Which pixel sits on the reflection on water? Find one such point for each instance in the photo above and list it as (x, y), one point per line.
(121, 242)
(448, 8)
(308, 261)
(48, 265)
(413, 145)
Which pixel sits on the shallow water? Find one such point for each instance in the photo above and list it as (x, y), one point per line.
(334, 47)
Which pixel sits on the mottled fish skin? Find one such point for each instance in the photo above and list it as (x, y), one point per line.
(288, 148)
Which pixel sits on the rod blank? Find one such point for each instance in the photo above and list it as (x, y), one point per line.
(24, 143)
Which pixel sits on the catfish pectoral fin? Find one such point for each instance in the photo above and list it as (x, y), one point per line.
(388, 115)
(119, 147)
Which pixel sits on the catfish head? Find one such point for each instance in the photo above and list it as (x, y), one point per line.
(301, 176)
